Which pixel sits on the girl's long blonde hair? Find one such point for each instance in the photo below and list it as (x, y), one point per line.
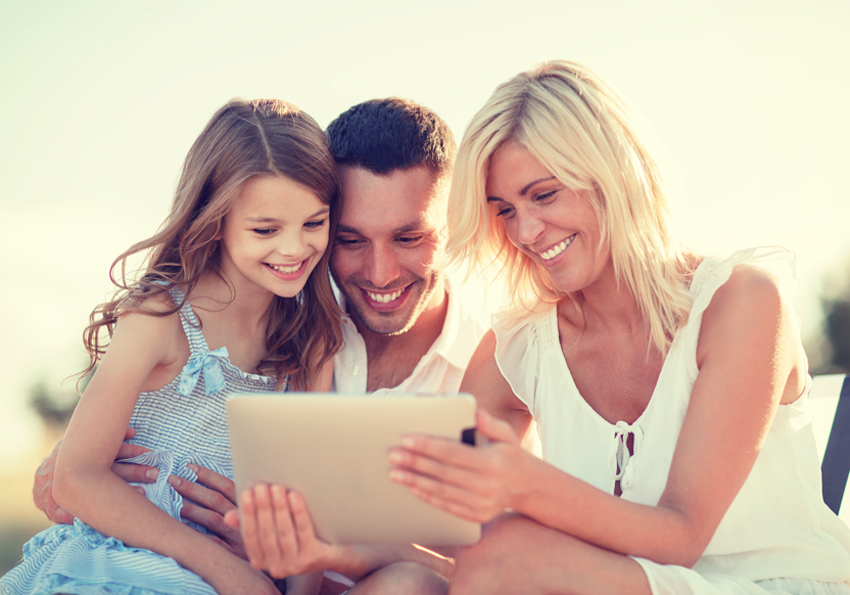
(578, 128)
(243, 139)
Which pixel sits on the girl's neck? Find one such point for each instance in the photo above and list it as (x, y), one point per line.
(250, 305)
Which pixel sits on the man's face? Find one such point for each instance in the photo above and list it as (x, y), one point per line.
(389, 253)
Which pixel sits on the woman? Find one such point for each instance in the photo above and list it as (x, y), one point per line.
(669, 388)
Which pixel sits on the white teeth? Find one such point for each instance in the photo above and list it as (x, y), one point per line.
(555, 250)
(286, 269)
(384, 298)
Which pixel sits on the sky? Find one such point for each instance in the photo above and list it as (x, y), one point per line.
(745, 104)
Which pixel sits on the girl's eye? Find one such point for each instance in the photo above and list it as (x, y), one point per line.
(263, 232)
(315, 224)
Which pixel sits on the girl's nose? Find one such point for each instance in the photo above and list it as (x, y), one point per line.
(291, 244)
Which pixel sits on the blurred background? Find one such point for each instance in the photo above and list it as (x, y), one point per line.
(744, 101)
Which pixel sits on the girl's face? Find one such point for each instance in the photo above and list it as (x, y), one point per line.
(274, 235)
(554, 226)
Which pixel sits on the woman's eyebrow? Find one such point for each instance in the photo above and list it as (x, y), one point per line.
(528, 186)
(524, 189)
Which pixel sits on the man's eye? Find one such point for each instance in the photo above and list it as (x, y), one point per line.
(411, 239)
(347, 241)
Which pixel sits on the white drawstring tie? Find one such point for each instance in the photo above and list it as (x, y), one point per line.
(619, 455)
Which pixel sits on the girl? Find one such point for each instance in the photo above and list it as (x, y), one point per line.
(669, 388)
(235, 297)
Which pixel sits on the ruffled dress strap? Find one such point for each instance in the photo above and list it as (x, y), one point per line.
(520, 340)
(714, 271)
(201, 358)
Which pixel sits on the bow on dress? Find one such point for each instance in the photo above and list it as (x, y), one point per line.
(210, 363)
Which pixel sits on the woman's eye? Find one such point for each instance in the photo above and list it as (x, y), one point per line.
(504, 212)
(545, 196)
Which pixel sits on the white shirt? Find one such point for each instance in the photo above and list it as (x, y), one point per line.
(439, 371)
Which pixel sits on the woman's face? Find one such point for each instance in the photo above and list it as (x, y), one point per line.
(554, 226)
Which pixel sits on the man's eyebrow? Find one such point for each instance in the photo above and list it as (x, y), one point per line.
(418, 225)
(340, 228)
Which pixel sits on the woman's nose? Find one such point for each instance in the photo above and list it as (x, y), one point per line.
(529, 228)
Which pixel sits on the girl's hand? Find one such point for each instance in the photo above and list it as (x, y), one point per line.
(278, 533)
(476, 484)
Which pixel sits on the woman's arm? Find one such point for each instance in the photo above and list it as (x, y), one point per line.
(85, 484)
(750, 361)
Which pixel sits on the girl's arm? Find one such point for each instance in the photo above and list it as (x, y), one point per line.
(142, 346)
(750, 361)
(320, 380)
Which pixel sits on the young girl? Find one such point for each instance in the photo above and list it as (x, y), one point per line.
(235, 297)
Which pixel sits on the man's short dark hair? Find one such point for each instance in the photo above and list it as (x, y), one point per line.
(383, 135)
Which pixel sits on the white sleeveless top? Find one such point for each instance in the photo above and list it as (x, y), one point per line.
(777, 526)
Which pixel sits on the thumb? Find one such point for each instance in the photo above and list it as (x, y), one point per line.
(494, 429)
(231, 519)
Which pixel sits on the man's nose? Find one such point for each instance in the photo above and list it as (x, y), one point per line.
(383, 266)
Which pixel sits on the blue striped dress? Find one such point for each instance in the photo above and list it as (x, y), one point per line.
(184, 422)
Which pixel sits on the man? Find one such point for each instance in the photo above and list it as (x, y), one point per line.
(404, 331)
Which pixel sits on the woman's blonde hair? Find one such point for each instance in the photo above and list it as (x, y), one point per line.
(264, 137)
(578, 128)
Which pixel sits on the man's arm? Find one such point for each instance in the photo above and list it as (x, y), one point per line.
(42, 489)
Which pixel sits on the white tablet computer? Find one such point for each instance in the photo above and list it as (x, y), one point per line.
(333, 449)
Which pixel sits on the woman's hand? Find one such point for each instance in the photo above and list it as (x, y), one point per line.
(476, 484)
(278, 533)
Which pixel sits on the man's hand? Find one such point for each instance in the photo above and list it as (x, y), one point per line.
(278, 533)
(206, 502)
(42, 489)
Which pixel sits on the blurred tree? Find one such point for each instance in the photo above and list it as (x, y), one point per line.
(837, 320)
(55, 406)
(835, 302)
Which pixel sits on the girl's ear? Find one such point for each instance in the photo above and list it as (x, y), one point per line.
(220, 231)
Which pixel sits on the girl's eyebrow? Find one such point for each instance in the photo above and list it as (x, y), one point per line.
(323, 211)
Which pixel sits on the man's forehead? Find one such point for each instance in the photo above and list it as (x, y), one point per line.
(402, 200)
